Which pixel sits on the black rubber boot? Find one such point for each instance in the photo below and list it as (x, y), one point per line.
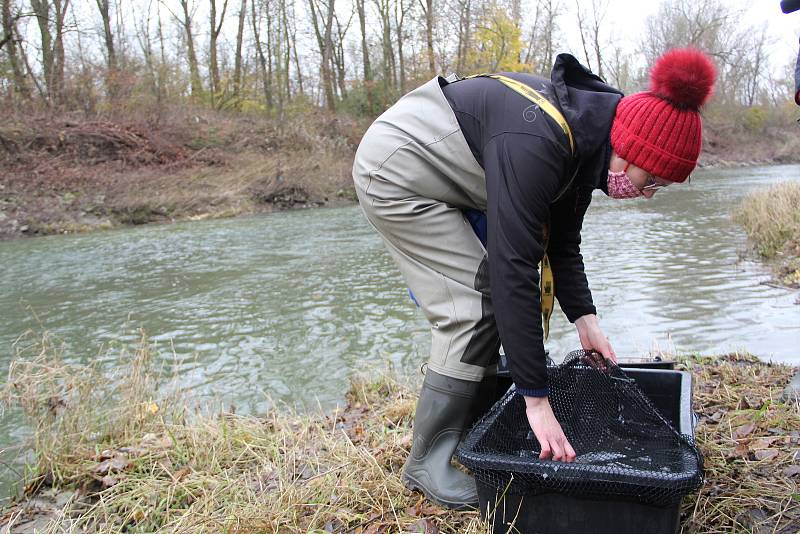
(485, 398)
(443, 412)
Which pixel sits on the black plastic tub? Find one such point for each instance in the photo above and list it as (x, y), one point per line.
(670, 393)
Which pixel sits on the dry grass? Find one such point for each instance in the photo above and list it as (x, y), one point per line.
(772, 221)
(749, 440)
(140, 463)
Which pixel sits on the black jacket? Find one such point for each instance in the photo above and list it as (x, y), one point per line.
(528, 164)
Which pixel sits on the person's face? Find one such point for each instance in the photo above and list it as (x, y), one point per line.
(644, 181)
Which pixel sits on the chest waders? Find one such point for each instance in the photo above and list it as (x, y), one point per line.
(415, 176)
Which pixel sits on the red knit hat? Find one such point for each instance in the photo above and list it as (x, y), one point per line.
(660, 130)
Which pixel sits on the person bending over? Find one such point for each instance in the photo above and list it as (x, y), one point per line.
(527, 152)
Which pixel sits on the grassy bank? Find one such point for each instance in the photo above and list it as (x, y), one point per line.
(772, 220)
(120, 454)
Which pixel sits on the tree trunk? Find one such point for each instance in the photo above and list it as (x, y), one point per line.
(598, 13)
(111, 57)
(194, 69)
(362, 21)
(325, 45)
(266, 71)
(41, 9)
(428, 8)
(296, 63)
(399, 21)
(216, 28)
(58, 49)
(237, 70)
(10, 42)
(287, 49)
(51, 31)
(339, 54)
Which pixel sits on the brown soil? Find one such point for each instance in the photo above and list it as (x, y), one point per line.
(65, 174)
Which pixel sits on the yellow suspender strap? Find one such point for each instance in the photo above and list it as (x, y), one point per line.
(547, 286)
(537, 98)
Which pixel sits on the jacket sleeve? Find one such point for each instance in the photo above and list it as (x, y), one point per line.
(523, 173)
(572, 288)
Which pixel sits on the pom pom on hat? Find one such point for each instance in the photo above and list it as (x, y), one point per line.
(685, 77)
(660, 130)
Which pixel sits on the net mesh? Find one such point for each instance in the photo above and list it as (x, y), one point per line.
(625, 448)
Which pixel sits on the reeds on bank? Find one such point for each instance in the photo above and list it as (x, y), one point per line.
(771, 218)
(132, 458)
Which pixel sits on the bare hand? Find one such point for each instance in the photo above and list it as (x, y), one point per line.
(547, 430)
(592, 338)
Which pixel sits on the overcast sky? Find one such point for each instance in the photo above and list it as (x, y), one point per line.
(626, 19)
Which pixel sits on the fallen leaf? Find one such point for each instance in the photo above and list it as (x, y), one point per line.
(152, 441)
(152, 408)
(425, 526)
(741, 450)
(791, 471)
(766, 454)
(181, 473)
(763, 443)
(743, 430)
(117, 463)
(133, 451)
(108, 481)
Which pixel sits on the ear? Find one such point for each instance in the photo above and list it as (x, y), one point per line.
(616, 163)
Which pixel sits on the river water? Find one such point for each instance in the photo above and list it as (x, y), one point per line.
(289, 305)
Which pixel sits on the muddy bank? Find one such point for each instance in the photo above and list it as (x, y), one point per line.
(65, 174)
(141, 461)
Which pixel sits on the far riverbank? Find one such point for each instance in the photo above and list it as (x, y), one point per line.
(68, 174)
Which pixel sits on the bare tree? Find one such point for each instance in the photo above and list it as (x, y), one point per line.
(427, 11)
(51, 17)
(543, 36)
(464, 31)
(104, 7)
(264, 64)
(704, 24)
(237, 70)
(338, 56)
(9, 40)
(401, 10)
(215, 29)
(589, 27)
(384, 8)
(322, 20)
(290, 35)
(186, 25)
(362, 21)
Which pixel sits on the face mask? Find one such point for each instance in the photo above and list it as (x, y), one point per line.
(620, 186)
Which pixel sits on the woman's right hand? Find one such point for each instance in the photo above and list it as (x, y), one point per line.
(547, 430)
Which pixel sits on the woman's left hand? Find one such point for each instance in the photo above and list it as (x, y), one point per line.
(592, 338)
